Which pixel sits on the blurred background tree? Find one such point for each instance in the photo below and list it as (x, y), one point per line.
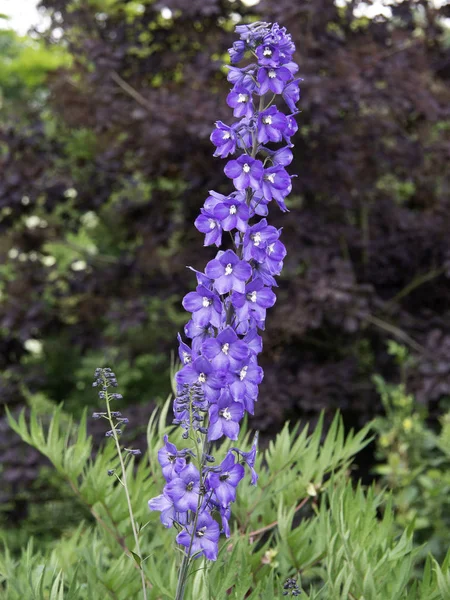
(105, 160)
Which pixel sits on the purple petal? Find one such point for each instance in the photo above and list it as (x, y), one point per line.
(230, 429)
(233, 169)
(211, 348)
(214, 269)
(242, 270)
(192, 302)
(215, 429)
(210, 548)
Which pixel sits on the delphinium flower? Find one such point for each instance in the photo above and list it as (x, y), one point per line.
(219, 378)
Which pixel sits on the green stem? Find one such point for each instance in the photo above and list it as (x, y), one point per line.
(182, 578)
(127, 494)
(201, 461)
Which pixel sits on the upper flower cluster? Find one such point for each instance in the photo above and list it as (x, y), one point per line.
(219, 379)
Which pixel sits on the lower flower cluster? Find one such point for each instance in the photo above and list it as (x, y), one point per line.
(195, 492)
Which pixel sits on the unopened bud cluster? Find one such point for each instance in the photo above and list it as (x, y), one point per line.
(291, 588)
(104, 379)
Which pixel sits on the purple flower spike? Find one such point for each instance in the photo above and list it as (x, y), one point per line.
(219, 377)
(245, 172)
(229, 272)
(204, 539)
(224, 417)
(225, 482)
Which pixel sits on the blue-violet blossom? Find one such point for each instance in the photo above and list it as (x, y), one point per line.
(219, 378)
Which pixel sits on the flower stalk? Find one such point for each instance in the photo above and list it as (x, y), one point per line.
(105, 379)
(219, 378)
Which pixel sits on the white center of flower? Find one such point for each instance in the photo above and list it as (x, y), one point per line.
(246, 168)
(242, 98)
(271, 177)
(252, 296)
(226, 135)
(186, 358)
(272, 74)
(201, 532)
(243, 373)
(206, 302)
(212, 224)
(202, 378)
(270, 248)
(256, 238)
(226, 414)
(228, 269)
(225, 348)
(267, 51)
(267, 120)
(233, 209)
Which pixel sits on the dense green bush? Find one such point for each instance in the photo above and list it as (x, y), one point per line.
(305, 520)
(414, 463)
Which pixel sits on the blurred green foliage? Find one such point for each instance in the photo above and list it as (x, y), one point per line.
(25, 64)
(414, 462)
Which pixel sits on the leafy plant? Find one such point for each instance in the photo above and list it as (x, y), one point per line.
(414, 463)
(305, 521)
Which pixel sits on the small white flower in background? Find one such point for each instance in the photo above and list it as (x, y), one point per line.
(32, 222)
(70, 193)
(48, 261)
(33, 346)
(79, 265)
(90, 219)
